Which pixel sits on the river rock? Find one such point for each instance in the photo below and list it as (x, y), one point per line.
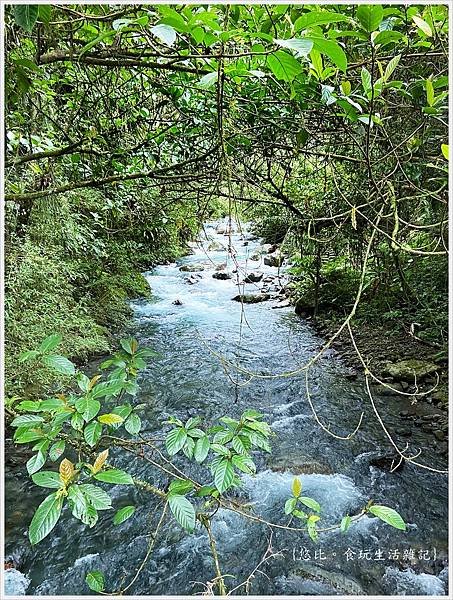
(303, 309)
(191, 268)
(221, 275)
(177, 302)
(220, 267)
(251, 298)
(387, 462)
(255, 256)
(253, 277)
(194, 278)
(407, 370)
(282, 304)
(220, 229)
(215, 246)
(274, 260)
(341, 583)
(439, 435)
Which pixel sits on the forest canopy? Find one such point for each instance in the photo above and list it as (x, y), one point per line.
(127, 126)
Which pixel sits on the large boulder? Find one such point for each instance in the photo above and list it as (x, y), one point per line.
(303, 308)
(221, 275)
(409, 370)
(274, 260)
(253, 277)
(191, 268)
(251, 298)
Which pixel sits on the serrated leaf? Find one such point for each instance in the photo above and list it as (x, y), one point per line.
(388, 515)
(92, 433)
(183, 511)
(45, 518)
(223, 475)
(47, 479)
(116, 476)
(95, 581)
(175, 440)
(123, 514)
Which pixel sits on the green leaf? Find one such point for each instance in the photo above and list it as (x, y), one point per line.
(310, 503)
(283, 65)
(95, 581)
(27, 421)
(115, 476)
(290, 505)
(244, 464)
(77, 422)
(45, 13)
(28, 355)
(345, 523)
(88, 407)
(388, 515)
(430, 98)
(29, 406)
(26, 15)
(296, 487)
(107, 388)
(331, 49)
(175, 440)
(183, 511)
(208, 80)
(201, 451)
(133, 424)
(311, 528)
(189, 447)
(56, 450)
(321, 17)
(180, 486)
(391, 67)
(223, 475)
(104, 35)
(366, 79)
(206, 490)
(123, 514)
(110, 419)
(97, 497)
(387, 37)
(129, 345)
(165, 33)
(47, 479)
(239, 446)
(36, 462)
(445, 151)
(92, 433)
(346, 87)
(45, 518)
(50, 342)
(423, 25)
(28, 436)
(301, 46)
(370, 16)
(60, 364)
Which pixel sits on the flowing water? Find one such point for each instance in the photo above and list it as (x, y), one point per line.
(187, 379)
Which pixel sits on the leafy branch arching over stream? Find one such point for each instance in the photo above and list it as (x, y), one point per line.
(316, 138)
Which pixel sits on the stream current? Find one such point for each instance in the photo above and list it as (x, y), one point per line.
(187, 379)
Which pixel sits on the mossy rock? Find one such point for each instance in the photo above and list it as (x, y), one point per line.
(409, 370)
(191, 268)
